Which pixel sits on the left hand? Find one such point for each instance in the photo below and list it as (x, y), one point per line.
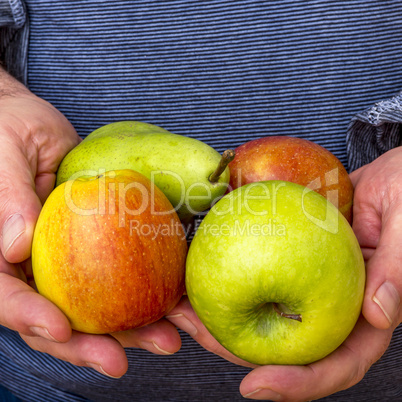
(34, 138)
(377, 223)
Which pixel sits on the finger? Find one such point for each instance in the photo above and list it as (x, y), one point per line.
(160, 338)
(342, 369)
(44, 184)
(19, 204)
(382, 302)
(378, 227)
(25, 311)
(185, 318)
(100, 352)
(366, 217)
(355, 175)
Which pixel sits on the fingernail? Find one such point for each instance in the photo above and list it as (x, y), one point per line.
(181, 321)
(43, 333)
(264, 393)
(151, 345)
(13, 228)
(99, 369)
(387, 298)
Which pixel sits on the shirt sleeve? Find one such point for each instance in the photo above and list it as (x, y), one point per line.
(14, 31)
(374, 131)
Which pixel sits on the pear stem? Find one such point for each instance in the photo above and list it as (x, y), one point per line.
(226, 158)
(296, 317)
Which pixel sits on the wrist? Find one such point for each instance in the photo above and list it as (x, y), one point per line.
(9, 86)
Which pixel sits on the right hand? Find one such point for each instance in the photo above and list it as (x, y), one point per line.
(34, 138)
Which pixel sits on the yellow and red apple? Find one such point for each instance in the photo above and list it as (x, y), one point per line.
(295, 160)
(110, 252)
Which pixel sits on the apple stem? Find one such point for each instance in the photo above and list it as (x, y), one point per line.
(226, 158)
(296, 317)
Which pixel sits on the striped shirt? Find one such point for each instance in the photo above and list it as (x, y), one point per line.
(224, 72)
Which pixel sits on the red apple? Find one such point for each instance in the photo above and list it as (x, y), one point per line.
(110, 252)
(296, 160)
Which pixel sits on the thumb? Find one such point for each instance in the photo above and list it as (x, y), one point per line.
(382, 301)
(19, 204)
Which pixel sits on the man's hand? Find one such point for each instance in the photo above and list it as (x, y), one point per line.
(378, 227)
(34, 138)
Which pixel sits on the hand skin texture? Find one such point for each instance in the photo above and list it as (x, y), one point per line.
(34, 138)
(377, 223)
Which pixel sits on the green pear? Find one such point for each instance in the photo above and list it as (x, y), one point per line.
(191, 174)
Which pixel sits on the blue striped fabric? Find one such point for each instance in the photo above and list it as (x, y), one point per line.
(14, 37)
(221, 71)
(374, 131)
(224, 72)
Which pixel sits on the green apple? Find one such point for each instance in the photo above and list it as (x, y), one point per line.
(276, 274)
(188, 171)
(110, 252)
